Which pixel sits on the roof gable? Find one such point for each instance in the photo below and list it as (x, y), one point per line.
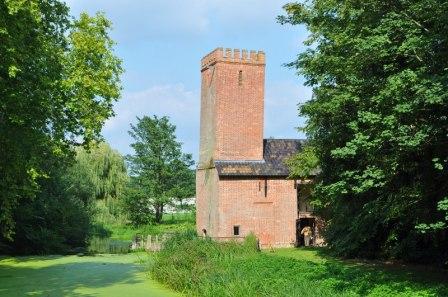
(275, 153)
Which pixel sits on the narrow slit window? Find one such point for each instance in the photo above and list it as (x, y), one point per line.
(265, 187)
(236, 230)
(240, 77)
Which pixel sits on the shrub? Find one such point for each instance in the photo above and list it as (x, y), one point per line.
(136, 205)
(202, 267)
(186, 260)
(56, 221)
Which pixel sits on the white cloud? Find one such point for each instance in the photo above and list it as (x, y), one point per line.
(182, 106)
(174, 101)
(143, 20)
(161, 41)
(281, 109)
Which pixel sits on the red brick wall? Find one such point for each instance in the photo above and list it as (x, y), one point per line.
(272, 219)
(239, 111)
(232, 106)
(208, 119)
(207, 199)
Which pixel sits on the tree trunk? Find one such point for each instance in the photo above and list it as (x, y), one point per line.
(159, 213)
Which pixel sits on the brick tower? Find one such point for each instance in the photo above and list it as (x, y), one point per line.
(232, 107)
(242, 183)
(232, 96)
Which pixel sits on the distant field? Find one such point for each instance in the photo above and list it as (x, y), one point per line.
(178, 222)
(73, 276)
(117, 237)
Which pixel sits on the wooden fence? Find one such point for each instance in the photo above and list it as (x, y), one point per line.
(150, 243)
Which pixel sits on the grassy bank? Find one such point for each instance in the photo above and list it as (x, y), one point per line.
(171, 223)
(115, 236)
(206, 268)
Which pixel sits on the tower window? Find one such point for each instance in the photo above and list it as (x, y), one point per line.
(236, 230)
(240, 77)
(266, 187)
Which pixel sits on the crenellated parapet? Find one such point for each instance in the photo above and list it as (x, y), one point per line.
(233, 56)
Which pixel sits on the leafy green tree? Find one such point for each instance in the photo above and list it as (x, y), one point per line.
(99, 173)
(63, 213)
(139, 207)
(58, 80)
(378, 122)
(160, 171)
(304, 164)
(54, 221)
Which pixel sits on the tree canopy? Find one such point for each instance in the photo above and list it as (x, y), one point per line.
(378, 123)
(101, 171)
(58, 80)
(159, 170)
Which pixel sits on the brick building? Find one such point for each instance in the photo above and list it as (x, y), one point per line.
(241, 179)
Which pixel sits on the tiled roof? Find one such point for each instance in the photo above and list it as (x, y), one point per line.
(275, 152)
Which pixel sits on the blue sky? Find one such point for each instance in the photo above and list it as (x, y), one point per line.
(161, 43)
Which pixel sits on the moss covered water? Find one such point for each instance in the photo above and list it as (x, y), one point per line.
(102, 275)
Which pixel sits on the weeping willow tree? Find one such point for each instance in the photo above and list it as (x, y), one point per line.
(74, 202)
(98, 173)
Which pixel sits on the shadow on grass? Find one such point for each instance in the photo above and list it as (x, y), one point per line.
(20, 259)
(368, 277)
(54, 276)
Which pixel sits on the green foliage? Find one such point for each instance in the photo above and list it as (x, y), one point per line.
(159, 171)
(64, 214)
(98, 173)
(139, 209)
(187, 262)
(304, 164)
(171, 223)
(201, 267)
(53, 222)
(378, 122)
(58, 80)
(443, 207)
(110, 212)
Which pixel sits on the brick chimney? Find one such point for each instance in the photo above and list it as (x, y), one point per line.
(232, 103)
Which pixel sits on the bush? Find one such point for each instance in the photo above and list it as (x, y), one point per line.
(138, 209)
(50, 224)
(186, 261)
(55, 222)
(202, 267)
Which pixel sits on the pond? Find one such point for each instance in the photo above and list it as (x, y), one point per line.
(102, 275)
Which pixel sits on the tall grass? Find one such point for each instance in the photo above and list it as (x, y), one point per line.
(99, 245)
(201, 267)
(186, 260)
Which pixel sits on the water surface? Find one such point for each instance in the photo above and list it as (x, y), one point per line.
(74, 276)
